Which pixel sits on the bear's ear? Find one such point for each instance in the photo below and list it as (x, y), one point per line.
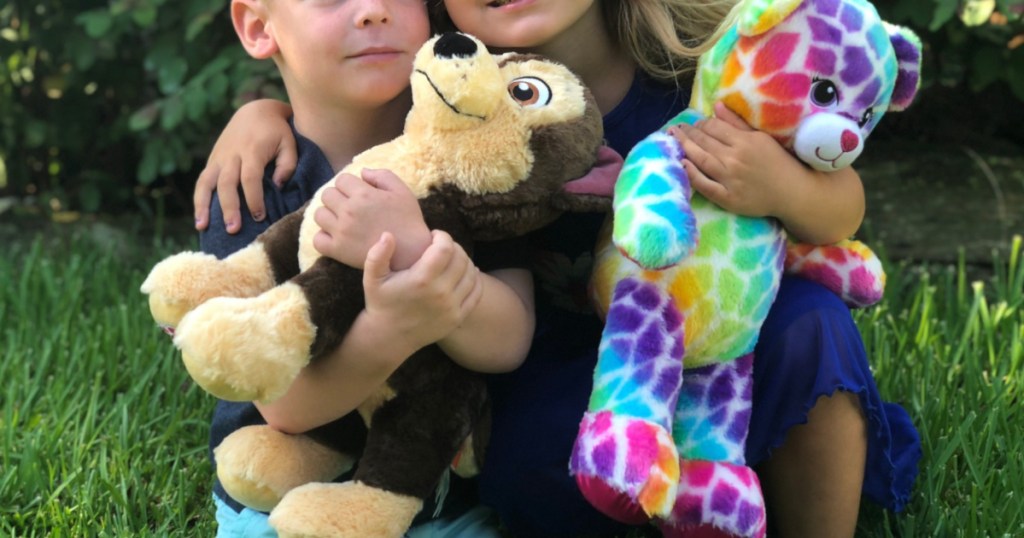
(754, 17)
(907, 47)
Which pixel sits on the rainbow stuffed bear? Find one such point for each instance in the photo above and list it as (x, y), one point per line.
(686, 285)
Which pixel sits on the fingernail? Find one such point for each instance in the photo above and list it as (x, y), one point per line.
(258, 216)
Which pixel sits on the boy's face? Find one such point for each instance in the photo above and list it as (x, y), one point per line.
(347, 52)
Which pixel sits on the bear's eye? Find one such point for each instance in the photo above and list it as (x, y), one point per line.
(868, 114)
(530, 92)
(824, 93)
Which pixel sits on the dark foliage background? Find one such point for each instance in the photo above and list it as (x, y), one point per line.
(112, 106)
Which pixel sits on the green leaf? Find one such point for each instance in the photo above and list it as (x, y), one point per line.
(976, 12)
(35, 133)
(173, 112)
(170, 74)
(1015, 73)
(96, 22)
(144, 16)
(143, 118)
(81, 50)
(197, 24)
(150, 161)
(987, 66)
(944, 10)
(90, 196)
(194, 99)
(218, 85)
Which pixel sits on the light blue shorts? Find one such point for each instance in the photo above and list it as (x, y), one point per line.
(480, 522)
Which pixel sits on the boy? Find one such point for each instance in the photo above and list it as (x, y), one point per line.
(346, 68)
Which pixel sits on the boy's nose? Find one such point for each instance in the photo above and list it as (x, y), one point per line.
(452, 44)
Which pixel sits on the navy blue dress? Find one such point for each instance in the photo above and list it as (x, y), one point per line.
(808, 347)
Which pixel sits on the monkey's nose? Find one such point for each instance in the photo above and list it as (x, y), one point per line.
(453, 45)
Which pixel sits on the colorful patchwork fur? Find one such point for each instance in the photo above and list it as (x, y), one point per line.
(687, 285)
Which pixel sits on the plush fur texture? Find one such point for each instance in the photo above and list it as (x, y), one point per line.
(493, 147)
(686, 286)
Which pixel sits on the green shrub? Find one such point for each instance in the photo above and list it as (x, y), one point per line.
(972, 43)
(100, 106)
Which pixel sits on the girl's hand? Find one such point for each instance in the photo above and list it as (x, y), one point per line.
(358, 210)
(739, 169)
(257, 134)
(749, 173)
(426, 302)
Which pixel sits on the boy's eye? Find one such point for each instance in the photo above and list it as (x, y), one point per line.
(530, 92)
(868, 114)
(824, 93)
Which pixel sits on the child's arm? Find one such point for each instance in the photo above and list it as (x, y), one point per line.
(496, 335)
(257, 134)
(747, 172)
(443, 293)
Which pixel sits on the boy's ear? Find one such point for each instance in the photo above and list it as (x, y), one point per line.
(253, 27)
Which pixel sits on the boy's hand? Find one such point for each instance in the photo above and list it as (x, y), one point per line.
(741, 170)
(257, 134)
(426, 302)
(358, 210)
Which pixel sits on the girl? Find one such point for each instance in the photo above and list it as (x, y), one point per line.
(817, 419)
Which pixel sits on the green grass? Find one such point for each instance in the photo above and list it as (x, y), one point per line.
(102, 434)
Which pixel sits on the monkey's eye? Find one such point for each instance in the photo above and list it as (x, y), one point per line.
(530, 92)
(824, 93)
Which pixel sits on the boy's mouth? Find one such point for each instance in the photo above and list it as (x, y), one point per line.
(499, 3)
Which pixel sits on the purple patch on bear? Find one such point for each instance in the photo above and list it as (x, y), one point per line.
(821, 61)
(647, 297)
(906, 87)
(725, 499)
(828, 8)
(857, 67)
(740, 426)
(823, 31)
(749, 516)
(604, 457)
(868, 96)
(905, 50)
(668, 383)
(722, 390)
(651, 343)
(624, 318)
(852, 18)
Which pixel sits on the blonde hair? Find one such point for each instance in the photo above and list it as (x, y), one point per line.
(665, 37)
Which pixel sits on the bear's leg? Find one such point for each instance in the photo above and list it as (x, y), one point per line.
(624, 459)
(718, 494)
(412, 440)
(258, 465)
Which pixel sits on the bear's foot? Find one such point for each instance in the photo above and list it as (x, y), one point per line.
(346, 510)
(626, 467)
(716, 499)
(248, 349)
(180, 283)
(258, 465)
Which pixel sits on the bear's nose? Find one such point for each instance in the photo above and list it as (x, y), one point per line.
(453, 45)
